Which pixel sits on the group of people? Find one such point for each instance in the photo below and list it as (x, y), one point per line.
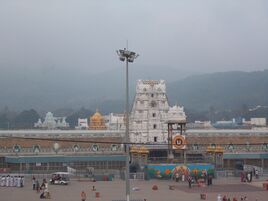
(225, 198)
(55, 178)
(83, 194)
(205, 179)
(12, 181)
(247, 176)
(179, 177)
(43, 188)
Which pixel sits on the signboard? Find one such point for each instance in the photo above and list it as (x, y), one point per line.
(178, 142)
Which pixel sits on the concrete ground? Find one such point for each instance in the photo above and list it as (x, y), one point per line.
(115, 190)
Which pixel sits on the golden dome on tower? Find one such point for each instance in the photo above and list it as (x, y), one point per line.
(143, 150)
(96, 117)
(97, 122)
(134, 149)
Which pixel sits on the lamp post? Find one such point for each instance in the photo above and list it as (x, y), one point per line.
(128, 56)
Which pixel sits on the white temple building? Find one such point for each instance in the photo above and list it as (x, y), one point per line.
(82, 124)
(52, 122)
(151, 111)
(149, 115)
(115, 121)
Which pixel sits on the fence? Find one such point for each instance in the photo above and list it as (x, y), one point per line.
(225, 173)
(237, 173)
(125, 200)
(79, 166)
(137, 175)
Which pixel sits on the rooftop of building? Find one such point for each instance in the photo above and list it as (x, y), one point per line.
(262, 131)
(70, 133)
(65, 133)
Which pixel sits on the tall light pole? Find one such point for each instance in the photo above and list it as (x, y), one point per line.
(128, 56)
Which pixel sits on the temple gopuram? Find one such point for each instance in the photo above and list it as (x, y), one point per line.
(97, 122)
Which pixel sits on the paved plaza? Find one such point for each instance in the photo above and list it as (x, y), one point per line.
(140, 190)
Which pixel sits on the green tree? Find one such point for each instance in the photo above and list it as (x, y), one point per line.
(82, 113)
(26, 119)
(4, 122)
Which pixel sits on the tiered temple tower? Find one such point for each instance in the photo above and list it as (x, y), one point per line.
(97, 122)
(151, 111)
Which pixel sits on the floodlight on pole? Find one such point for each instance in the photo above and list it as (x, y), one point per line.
(128, 56)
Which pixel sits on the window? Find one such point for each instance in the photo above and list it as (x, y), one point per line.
(155, 139)
(154, 126)
(154, 114)
(152, 95)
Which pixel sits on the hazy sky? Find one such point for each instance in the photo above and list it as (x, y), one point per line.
(82, 35)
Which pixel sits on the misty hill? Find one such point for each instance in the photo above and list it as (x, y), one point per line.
(224, 91)
(52, 88)
(216, 96)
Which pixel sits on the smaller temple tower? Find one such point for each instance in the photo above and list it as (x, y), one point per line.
(97, 122)
(215, 155)
(139, 155)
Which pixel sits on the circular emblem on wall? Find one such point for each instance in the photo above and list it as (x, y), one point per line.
(56, 147)
(231, 147)
(76, 148)
(95, 147)
(265, 146)
(16, 148)
(178, 142)
(36, 148)
(114, 147)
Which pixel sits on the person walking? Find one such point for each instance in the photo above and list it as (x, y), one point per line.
(177, 177)
(257, 174)
(37, 186)
(83, 196)
(243, 176)
(209, 180)
(219, 197)
(19, 181)
(190, 181)
(93, 188)
(22, 180)
(33, 182)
